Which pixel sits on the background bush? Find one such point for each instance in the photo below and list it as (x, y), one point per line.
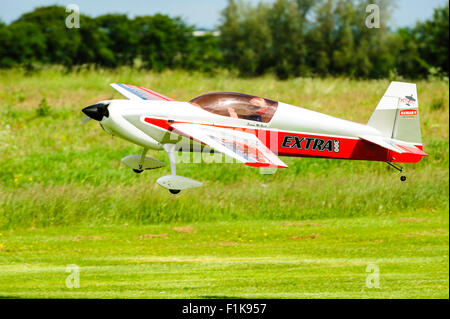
(290, 38)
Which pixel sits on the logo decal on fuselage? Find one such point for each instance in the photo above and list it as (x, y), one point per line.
(310, 143)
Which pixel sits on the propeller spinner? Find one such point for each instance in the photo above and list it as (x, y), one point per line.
(97, 111)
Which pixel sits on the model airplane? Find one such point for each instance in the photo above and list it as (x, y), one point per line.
(254, 130)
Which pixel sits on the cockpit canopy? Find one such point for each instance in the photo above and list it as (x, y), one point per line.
(237, 105)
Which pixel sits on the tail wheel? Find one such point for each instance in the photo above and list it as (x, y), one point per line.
(137, 171)
(174, 191)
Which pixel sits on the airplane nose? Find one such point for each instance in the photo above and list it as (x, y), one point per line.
(96, 111)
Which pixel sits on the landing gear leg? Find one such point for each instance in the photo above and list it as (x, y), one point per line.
(170, 149)
(141, 163)
(173, 182)
(400, 169)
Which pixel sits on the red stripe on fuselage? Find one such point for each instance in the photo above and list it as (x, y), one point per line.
(310, 145)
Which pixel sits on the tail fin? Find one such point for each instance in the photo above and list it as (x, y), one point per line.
(397, 113)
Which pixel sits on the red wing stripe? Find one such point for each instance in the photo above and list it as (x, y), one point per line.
(259, 164)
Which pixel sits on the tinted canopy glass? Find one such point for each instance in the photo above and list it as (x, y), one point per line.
(237, 105)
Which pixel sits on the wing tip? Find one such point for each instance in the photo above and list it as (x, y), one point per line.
(136, 92)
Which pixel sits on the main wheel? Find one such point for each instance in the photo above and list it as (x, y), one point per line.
(174, 191)
(137, 171)
(403, 178)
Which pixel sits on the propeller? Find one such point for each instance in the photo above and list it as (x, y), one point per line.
(96, 112)
(85, 120)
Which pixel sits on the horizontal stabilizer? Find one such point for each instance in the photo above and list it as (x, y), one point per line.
(383, 142)
(393, 145)
(412, 150)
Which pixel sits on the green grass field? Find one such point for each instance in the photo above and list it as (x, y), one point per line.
(308, 231)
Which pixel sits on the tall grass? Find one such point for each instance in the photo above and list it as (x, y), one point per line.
(54, 171)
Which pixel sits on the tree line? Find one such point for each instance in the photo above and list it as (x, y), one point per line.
(330, 37)
(154, 42)
(290, 38)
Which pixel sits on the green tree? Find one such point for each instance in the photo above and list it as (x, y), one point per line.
(74, 46)
(321, 38)
(5, 42)
(432, 37)
(93, 48)
(230, 32)
(374, 49)
(162, 41)
(245, 37)
(203, 54)
(289, 51)
(121, 37)
(22, 43)
(305, 6)
(61, 43)
(343, 54)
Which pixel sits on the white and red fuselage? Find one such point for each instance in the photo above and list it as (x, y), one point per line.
(255, 130)
(293, 131)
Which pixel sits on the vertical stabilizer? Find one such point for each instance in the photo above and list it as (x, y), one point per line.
(397, 113)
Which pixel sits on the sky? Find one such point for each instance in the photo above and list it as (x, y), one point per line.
(201, 13)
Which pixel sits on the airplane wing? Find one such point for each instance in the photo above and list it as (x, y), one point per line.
(242, 146)
(133, 92)
(393, 145)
